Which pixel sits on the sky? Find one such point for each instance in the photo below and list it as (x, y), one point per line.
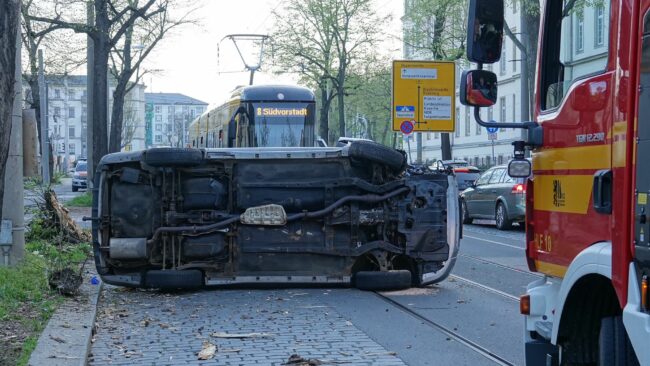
(193, 60)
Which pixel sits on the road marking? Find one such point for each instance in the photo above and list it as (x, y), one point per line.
(494, 242)
(500, 265)
(486, 288)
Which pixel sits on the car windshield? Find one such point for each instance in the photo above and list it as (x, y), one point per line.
(81, 167)
(280, 124)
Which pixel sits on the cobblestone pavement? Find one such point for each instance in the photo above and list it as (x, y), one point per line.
(136, 327)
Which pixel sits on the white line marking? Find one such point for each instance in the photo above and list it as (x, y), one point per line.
(487, 288)
(494, 242)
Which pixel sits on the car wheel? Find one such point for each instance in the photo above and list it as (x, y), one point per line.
(501, 217)
(614, 346)
(173, 157)
(75, 189)
(382, 281)
(466, 218)
(372, 151)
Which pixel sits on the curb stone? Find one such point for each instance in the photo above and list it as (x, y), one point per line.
(66, 340)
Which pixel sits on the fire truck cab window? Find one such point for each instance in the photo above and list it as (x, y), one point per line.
(572, 55)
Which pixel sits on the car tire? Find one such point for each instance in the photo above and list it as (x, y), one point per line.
(75, 189)
(466, 218)
(377, 153)
(382, 281)
(614, 347)
(501, 217)
(173, 157)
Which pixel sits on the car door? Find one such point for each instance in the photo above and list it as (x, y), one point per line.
(490, 193)
(474, 197)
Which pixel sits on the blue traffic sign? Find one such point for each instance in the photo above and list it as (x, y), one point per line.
(492, 129)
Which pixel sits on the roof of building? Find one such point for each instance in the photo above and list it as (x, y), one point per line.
(171, 98)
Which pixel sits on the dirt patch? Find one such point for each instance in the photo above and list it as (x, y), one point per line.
(25, 322)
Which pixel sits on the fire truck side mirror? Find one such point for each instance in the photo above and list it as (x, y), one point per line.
(519, 168)
(485, 30)
(478, 88)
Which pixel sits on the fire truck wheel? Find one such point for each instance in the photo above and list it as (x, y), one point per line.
(614, 347)
(466, 218)
(173, 157)
(501, 217)
(377, 153)
(382, 281)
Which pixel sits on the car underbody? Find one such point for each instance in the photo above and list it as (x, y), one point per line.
(180, 218)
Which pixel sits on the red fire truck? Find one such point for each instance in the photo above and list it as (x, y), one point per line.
(587, 222)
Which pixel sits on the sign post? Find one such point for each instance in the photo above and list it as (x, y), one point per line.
(424, 92)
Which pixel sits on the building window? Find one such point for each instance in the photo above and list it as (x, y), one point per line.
(428, 136)
(500, 159)
(514, 103)
(158, 127)
(514, 6)
(169, 128)
(158, 109)
(514, 55)
(436, 135)
(57, 93)
(502, 113)
(468, 127)
(57, 111)
(71, 131)
(580, 32)
(599, 17)
(170, 109)
(490, 114)
(488, 160)
(478, 128)
(457, 132)
(72, 149)
(71, 112)
(158, 118)
(502, 62)
(158, 138)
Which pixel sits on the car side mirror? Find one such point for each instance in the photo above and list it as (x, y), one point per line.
(478, 88)
(519, 168)
(485, 31)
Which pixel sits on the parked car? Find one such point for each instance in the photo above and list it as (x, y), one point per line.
(495, 196)
(466, 176)
(80, 177)
(444, 164)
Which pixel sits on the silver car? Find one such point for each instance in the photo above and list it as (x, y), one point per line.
(495, 196)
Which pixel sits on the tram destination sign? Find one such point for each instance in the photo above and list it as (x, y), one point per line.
(424, 92)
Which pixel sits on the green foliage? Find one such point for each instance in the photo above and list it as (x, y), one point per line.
(84, 200)
(57, 177)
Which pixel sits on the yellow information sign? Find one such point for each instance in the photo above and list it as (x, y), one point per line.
(424, 96)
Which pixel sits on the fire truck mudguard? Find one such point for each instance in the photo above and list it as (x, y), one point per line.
(272, 215)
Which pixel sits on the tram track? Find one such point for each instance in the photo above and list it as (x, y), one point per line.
(452, 334)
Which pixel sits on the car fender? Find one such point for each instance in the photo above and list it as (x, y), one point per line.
(596, 259)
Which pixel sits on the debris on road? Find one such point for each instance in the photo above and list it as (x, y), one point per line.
(208, 351)
(241, 335)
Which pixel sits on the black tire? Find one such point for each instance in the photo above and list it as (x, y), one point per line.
(377, 153)
(466, 218)
(501, 217)
(173, 157)
(75, 189)
(614, 347)
(382, 281)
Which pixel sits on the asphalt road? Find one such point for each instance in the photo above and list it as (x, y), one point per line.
(470, 319)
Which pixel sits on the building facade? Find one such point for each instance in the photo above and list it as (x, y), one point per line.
(168, 116)
(585, 33)
(67, 116)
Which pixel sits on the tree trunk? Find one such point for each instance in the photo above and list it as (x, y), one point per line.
(100, 93)
(341, 106)
(36, 101)
(117, 117)
(323, 128)
(437, 47)
(532, 25)
(9, 16)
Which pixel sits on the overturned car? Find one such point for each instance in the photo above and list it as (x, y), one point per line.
(356, 214)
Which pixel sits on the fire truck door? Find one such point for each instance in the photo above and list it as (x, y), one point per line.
(642, 206)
